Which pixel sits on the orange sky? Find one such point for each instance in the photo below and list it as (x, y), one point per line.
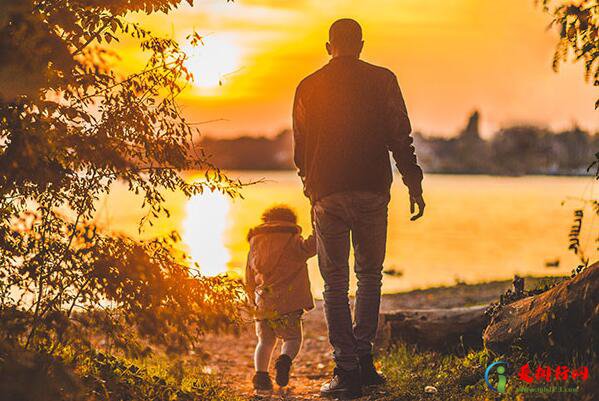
(450, 56)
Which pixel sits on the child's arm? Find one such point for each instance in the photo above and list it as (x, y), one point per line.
(250, 282)
(308, 246)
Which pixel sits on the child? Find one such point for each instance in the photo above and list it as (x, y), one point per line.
(278, 284)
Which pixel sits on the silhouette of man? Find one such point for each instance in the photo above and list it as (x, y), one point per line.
(347, 116)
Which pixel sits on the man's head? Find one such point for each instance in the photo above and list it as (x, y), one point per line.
(345, 38)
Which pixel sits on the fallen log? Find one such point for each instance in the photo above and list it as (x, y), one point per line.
(436, 329)
(564, 318)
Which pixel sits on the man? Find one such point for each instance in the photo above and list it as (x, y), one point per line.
(346, 118)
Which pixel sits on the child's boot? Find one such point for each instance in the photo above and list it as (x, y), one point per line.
(262, 381)
(282, 366)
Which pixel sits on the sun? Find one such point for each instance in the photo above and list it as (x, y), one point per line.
(212, 61)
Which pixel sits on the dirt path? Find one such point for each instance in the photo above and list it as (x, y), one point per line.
(230, 357)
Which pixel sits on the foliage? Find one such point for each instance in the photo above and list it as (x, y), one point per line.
(67, 133)
(578, 23)
(109, 378)
(26, 375)
(576, 228)
(74, 375)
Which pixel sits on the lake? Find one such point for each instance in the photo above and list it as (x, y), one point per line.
(476, 228)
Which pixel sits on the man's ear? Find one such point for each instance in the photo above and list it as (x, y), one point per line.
(329, 50)
(361, 47)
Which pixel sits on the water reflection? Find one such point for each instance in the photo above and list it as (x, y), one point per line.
(477, 228)
(204, 226)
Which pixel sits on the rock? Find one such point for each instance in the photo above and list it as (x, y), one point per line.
(430, 390)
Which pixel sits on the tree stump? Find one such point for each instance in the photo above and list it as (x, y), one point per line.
(563, 318)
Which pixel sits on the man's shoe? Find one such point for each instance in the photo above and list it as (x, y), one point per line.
(368, 373)
(262, 381)
(282, 366)
(344, 385)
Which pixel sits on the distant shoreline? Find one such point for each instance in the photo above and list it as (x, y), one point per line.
(512, 151)
(454, 296)
(589, 174)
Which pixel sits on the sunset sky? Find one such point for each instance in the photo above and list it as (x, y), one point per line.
(451, 56)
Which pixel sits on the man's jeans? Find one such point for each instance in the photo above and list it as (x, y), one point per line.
(364, 214)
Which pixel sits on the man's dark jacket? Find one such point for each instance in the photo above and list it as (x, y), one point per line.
(346, 118)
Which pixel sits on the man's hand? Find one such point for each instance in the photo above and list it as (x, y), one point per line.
(417, 200)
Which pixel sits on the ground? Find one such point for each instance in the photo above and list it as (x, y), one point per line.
(230, 356)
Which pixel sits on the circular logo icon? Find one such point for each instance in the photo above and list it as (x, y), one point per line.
(500, 368)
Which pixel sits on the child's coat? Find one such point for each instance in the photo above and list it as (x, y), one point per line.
(276, 271)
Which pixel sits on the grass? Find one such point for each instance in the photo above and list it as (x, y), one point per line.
(455, 378)
(458, 378)
(155, 378)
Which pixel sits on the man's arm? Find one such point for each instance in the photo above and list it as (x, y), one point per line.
(299, 117)
(400, 143)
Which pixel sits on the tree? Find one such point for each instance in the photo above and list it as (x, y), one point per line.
(573, 149)
(520, 150)
(69, 128)
(578, 23)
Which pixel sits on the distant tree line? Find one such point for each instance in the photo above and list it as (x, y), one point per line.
(250, 152)
(513, 150)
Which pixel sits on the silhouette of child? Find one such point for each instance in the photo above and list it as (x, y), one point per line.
(277, 283)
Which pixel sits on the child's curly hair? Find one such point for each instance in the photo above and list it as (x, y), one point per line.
(279, 213)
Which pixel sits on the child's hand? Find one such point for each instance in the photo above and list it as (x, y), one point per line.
(310, 245)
